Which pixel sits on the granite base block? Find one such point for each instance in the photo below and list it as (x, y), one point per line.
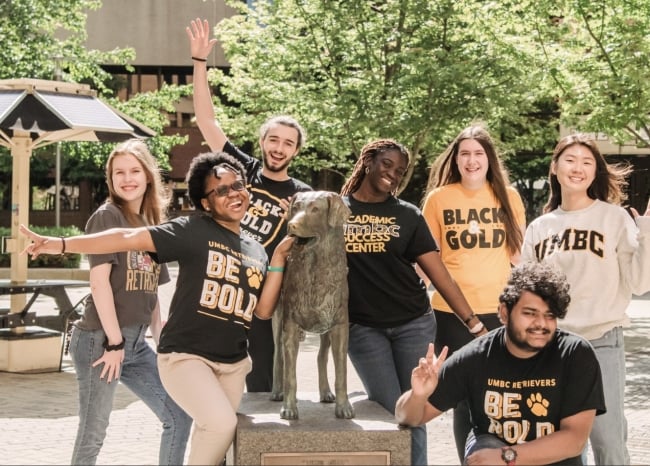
(318, 437)
(35, 349)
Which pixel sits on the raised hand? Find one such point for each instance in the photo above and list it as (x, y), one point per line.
(199, 34)
(424, 378)
(635, 213)
(284, 205)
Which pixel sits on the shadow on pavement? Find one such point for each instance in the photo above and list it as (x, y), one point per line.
(54, 394)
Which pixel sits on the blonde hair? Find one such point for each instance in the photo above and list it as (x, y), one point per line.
(155, 201)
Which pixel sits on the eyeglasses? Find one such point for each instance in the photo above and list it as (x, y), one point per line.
(224, 189)
(224, 166)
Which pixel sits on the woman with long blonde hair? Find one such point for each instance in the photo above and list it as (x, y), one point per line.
(108, 343)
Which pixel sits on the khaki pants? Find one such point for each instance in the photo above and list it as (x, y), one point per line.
(210, 392)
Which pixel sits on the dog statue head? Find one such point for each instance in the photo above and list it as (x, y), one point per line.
(313, 213)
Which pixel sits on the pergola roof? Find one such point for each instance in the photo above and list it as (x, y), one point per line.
(35, 113)
(52, 111)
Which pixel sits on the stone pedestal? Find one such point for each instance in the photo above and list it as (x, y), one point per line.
(36, 349)
(318, 437)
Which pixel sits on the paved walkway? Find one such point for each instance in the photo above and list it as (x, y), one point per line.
(38, 411)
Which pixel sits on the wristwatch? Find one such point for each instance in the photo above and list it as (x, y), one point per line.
(509, 455)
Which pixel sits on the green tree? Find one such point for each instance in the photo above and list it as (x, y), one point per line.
(36, 34)
(417, 71)
(39, 36)
(597, 53)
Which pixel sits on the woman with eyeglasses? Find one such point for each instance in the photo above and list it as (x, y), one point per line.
(222, 282)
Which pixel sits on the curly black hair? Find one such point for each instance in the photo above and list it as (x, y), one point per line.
(544, 280)
(201, 167)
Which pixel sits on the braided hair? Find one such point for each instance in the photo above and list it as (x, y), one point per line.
(368, 153)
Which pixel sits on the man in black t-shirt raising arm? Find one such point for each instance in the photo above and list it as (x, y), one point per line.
(533, 389)
(270, 186)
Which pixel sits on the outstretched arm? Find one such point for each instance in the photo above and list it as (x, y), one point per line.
(201, 46)
(413, 407)
(104, 242)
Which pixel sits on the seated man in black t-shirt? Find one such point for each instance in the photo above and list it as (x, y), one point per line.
(533, 389)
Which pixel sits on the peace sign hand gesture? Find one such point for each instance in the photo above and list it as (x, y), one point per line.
(424, 378)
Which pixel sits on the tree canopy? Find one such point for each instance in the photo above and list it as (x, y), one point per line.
(416, 71)
(45, 39)
(596, 55)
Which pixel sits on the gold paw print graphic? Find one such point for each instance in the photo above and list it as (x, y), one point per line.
(254, 277)
(537, 404)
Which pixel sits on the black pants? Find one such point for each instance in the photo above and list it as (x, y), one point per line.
(454, 334)
(260, 349)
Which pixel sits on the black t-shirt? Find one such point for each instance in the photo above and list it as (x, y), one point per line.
(220, 277)
(517, 399)
(382, 241)
(264, 221)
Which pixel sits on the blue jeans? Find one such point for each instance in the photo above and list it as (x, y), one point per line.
(139, 373)
(384, 359)
(609, 433)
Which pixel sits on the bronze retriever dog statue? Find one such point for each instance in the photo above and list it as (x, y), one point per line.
(314, 298)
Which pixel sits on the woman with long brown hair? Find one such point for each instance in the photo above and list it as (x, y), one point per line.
(478, 221)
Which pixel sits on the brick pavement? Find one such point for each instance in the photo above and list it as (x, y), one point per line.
(38, 411)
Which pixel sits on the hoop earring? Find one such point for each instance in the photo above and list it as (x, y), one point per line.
(367, 170)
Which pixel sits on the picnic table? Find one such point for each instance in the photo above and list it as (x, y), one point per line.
(57, 289)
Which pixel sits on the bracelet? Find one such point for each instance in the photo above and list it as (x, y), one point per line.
(467, 321)
(477, 328)
(199, 59)
(272, 268)
(62, 245)
(117, 347)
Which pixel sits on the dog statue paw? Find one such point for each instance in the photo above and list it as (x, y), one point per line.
(327, 396)
(289, 413)
(344, 410)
